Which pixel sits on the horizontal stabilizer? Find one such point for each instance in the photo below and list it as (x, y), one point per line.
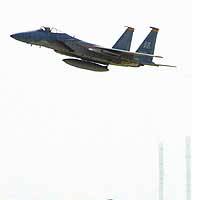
(119, 52)
(149, 55)
(165, 65)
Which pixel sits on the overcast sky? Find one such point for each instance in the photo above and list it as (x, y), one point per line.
(73, 134)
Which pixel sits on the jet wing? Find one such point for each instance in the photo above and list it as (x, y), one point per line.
(118, 52)
(62, 44)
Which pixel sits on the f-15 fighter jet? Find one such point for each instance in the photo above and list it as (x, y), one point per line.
(93, 57)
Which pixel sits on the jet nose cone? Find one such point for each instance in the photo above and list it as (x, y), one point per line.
(19, 36)
(12, 36)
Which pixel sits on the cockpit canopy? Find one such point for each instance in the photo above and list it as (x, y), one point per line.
(50, 30)
(46, 29)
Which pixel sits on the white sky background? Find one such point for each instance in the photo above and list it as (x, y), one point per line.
(68, 133)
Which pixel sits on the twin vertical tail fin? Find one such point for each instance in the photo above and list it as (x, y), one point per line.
(124, 42)
(148, 46)
(145, 53)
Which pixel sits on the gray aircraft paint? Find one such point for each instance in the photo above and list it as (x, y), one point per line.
(94, 55)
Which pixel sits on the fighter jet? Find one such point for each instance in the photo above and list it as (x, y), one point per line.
(93, 57)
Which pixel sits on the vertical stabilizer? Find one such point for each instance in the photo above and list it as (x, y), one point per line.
(148, 46)
(124, 42)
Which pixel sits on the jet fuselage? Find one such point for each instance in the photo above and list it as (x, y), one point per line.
(67, 45)
(91, 56)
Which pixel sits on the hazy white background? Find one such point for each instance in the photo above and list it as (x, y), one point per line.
(67, 133)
